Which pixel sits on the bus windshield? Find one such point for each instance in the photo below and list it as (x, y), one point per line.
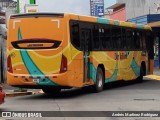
(36, 27)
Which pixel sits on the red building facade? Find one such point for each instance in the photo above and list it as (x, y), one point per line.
(119, 12)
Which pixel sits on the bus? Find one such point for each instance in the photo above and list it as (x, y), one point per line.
(54, 51)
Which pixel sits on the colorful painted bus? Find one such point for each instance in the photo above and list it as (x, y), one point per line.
(56, 51)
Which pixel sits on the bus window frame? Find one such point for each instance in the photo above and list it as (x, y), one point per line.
(90, 25)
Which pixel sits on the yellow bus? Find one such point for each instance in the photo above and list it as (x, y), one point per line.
(56, 51)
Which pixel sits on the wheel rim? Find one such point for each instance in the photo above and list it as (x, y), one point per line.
(100, 81)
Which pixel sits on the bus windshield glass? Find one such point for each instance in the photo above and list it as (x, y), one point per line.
(36, 28)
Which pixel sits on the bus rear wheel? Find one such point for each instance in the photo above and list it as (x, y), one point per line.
(140, 78)
(98, 87)
(51, 90)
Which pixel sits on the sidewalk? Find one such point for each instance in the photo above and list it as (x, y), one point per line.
(156, 74)
(9, 91)
(156, 71)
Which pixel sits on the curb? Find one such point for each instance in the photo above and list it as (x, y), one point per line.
(14, 94)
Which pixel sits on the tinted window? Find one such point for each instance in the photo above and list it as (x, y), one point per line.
(116, 37)
(105, 37)
(143, 40)
(108, 37)
(95, 41)
(129, 39)
(124, 44)
(75, 38)
(136, 36)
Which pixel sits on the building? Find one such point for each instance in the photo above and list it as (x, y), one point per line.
(130, 9)
(5, 3)
(118, 11)
(2, 19)
(145, 12)
(107, 13)
(141, 12)
(136, 8)
(5, 7)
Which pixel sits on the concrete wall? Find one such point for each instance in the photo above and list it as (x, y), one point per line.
(135, 8)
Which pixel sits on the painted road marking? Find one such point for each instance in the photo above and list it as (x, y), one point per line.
(156, 77)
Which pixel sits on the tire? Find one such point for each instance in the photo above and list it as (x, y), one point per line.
(51, 90)
(99, 81)
(140, 78)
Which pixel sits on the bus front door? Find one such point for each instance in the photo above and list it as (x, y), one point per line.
(85, 43)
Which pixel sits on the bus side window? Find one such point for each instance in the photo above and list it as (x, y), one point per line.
(129, 39)
(75, 37)
(119, 38)
(107, 42)
(149, 44)
(124, 45)
(102, 37)
(136, 37)
(105, 37)
(116, 37)
(82, 40)
(95, 42)
(143, 38)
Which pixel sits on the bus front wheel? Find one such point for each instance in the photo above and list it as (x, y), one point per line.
(99, 80)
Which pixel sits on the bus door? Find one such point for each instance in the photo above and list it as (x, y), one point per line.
(85, 43)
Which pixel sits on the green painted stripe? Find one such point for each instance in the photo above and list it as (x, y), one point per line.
(31, 66)
(93, 72)
(114, 76)
(19, 34)
(140, 26)
(135, 68)
(102, 20)
(116, 22)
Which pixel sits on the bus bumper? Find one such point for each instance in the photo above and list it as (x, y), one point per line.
(63, 79)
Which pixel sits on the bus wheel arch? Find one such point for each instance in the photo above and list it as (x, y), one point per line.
(100, 78)
(143, 66)
(142, 72)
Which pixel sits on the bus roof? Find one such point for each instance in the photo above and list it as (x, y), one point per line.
(109, 21)
(86, 19)
(37, 15)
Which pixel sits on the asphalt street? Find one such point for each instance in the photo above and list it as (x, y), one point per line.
(118, 96)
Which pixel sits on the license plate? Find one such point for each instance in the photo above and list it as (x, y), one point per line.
(35, 80)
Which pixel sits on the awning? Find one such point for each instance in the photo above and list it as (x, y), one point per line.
(154, 24)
